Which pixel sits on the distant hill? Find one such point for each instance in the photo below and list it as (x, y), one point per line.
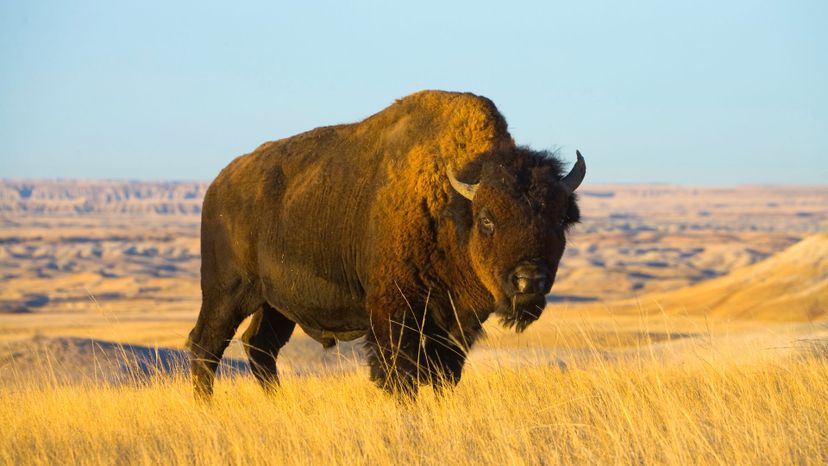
(80, 197)
(791, 285)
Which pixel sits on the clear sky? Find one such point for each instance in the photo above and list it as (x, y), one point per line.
(698, 93)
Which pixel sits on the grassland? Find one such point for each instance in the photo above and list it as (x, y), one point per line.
(747, 410)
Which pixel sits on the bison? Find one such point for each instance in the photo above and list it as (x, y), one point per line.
(409, 228)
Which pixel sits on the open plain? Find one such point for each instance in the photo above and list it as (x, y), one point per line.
(686, 325)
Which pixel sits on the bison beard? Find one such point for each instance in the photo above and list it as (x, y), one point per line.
(524, 310)
(409, 228)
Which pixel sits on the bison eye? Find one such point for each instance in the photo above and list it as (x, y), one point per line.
(486, 224)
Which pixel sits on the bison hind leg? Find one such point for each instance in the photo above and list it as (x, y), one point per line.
(207, 343)
(268, 332)
(221, 314)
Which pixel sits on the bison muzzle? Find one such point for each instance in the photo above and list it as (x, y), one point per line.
(409, 228)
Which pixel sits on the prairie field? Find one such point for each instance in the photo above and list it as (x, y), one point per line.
(687, 326)
(636, 411)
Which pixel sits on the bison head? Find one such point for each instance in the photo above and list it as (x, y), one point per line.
(521, 207)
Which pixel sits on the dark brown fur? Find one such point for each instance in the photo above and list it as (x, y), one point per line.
(355, 230)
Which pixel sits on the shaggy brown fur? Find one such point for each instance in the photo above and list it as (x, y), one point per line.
(355, 230)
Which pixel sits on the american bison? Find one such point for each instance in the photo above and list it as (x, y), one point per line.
(410, 228)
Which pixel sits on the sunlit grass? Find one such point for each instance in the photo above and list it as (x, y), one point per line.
(635, 410)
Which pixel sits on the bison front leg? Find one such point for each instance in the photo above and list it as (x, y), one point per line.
(445, 357)
(393, 346)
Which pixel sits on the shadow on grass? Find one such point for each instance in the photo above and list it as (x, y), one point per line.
(72, 360)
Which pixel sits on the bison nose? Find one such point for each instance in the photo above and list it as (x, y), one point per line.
(531, 279)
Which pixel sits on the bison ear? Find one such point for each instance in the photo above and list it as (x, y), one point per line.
(575, 176)
(573, 213)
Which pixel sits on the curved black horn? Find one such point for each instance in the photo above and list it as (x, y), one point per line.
(575, 176)
(465, 189)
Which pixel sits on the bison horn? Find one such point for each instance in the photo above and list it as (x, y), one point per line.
(465, 189)
(575, 176)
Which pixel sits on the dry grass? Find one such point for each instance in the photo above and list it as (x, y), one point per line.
(634, 410)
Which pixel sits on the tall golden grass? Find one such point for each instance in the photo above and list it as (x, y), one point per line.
(634, 410)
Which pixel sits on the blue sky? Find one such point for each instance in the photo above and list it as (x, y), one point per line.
(699, 93)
